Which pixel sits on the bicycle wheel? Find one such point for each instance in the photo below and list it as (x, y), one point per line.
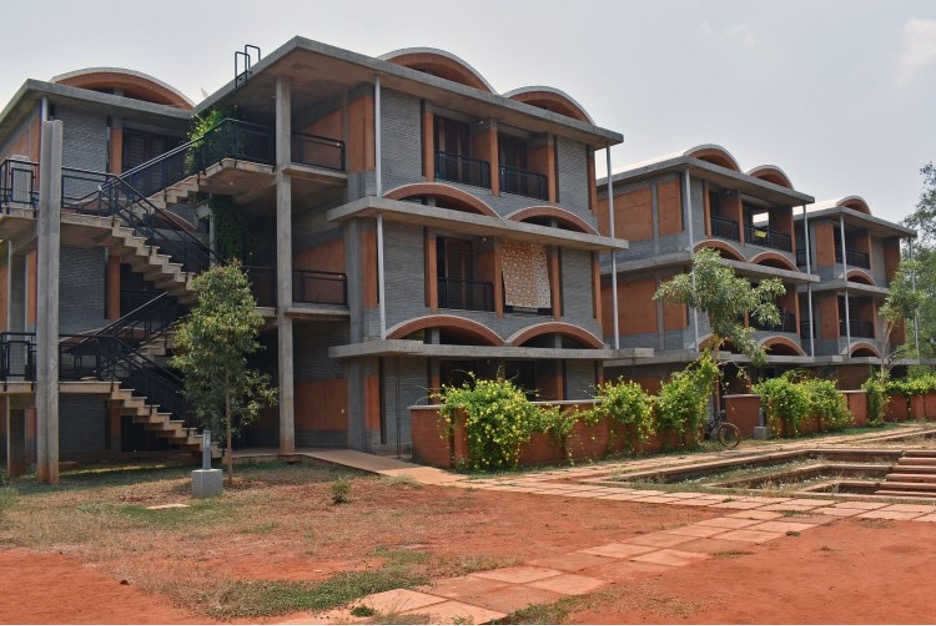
(729, 435)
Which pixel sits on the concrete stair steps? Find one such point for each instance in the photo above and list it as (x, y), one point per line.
(911, 478)
(905, 494)
(913, 469)
(908, 486)
(931, 454)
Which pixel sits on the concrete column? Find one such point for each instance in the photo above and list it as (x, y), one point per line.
(287, 429)
(16, 438)
(47, 322)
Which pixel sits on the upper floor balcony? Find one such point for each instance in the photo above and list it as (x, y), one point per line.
(457, 168)
(755, 235)
(853, 258)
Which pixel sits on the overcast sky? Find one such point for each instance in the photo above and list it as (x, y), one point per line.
(840, 94)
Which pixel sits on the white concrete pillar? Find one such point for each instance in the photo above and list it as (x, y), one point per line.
(47, 307)
(287, 425)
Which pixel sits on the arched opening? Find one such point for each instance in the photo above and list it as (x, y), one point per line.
(453, 330)
(716, 155)
(724, 249)
(546, 334)
(771, 174)
(544, 216)
(860, 276)
(775, 260)
(855, 203)
(782, 346)
(127, 83)
(444, 197)
(864, 349)
(551, 99)
(439, 63)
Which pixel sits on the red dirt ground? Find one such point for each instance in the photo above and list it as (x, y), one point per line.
(851, 571)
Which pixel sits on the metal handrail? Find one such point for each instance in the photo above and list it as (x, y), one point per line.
(857, 328)
(768, 238)
(308, 286)
(854, 258)
(787, 324)
(522, 182)
(458, 168)
(725, 229)
(13, 189)
(318, 151)
(465, 294)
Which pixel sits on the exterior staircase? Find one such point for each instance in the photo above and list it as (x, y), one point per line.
(160, 422)
(914, 476)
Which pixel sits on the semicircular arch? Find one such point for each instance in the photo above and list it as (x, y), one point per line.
(439, 63)
(131, 83)
(565, 329)
(478, 331)
(863, 348)
(456, 198)
(722, 246)
(782, 346)
(774, 259)
(567, 219)
(551, 99)
(714, 154)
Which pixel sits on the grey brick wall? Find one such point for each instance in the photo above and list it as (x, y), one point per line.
(571, 160)
(81, 424)
(405, 383)
(579, 380)
(81, 290)
(577, 301)
(401, 135)
(404, 262)
(310, 348)
(85, 138)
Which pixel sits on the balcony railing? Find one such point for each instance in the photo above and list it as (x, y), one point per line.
(19, 184)
(857, 328)
(853, 258)
(523, 183)
(801, 258)
(460, 169)
(466, 294)
(763, 236)
(806, 330)
(308, 286)
(725, 229)
(318, 151)
(787, 324)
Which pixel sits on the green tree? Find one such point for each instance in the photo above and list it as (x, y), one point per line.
(213, 343)
(923, 220)
(901, 307)
(724, 297)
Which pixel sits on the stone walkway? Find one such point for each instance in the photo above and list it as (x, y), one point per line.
(485, 596)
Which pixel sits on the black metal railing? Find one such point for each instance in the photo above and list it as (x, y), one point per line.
(318, 151)
(523, 183)
(857, 328)
(787, 324)
(853, 258)
(763, 236)
(19, 184)
(806, 329)
(725, 229)
(466, 294)
(145, 321)
(308, 286)
(98, 357)
(461, 169)
(801, 258)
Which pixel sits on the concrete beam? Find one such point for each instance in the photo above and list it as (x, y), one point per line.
(471, 224)
(404, 347)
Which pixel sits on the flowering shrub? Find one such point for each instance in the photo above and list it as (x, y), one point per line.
(682, 404)
(790, 400)
(627, 406)
(919, 385)
(498, 420)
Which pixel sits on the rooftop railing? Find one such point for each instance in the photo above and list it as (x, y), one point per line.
(725, 229)
(764, 236)
(853, 258)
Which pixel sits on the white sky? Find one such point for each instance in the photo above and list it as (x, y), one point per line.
(840, 94)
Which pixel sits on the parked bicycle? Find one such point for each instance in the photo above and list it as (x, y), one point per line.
(718, 427)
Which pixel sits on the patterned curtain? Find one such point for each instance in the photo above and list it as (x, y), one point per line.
(526, 275)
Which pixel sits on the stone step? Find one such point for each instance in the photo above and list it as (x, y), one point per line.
(920, 453)
(910, 478)
(914, 469)
(909, 486)
(905, 494)
(917, 461)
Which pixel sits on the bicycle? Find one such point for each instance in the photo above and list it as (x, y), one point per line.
(718, 427)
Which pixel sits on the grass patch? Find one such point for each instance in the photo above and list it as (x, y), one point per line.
(547, 613)
(730, 554)
(259, 598)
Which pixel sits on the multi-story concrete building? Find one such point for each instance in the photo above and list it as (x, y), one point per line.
(855, 256)
(404, 224)
(670, 207)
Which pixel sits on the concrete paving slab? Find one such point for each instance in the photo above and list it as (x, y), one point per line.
(752, 536)
(727, 522)
(654, 500)
(571, 562)
(518, 574)
(789, 507)
(831, 510)
(737, 504)
(863, 506)
(618, 550)
(658, 540)
(782, 527)
(716, 547)
(755, 515)
(569, 584)
(894, 515)
(695, 531)
(625, 571)
(512, 598)
(454, 612)
(911, 508)
(399, 600)
(925, 518)
(671, 558)
(462, 586)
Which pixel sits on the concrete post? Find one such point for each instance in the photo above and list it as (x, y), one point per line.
(16, 438)
(687, 208)
(845, 278)
(47, 327)
(287, 429)
(614, 292)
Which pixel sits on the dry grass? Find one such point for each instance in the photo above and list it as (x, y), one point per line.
(205, 555)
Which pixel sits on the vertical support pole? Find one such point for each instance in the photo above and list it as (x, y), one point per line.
(916, 314)
(16, 439)
(807, 246)
(378, 148)
(614, 290)
(381, 279)
(47, 316)
(845, 278)
(287, 430)
(687, 204)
